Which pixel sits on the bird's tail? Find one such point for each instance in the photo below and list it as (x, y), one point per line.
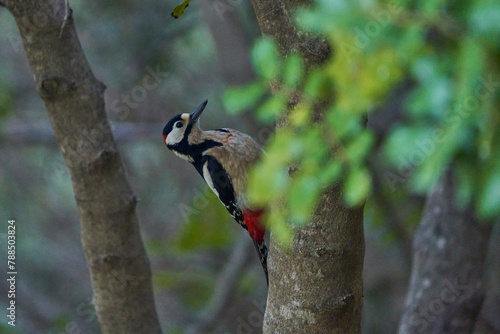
(262, 251)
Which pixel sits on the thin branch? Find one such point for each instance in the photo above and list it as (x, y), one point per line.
(393, 216)
(67, 16)
(241, 255)
(41, 133)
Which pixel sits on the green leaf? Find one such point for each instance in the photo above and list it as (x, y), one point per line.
(238, 99)
(411, 43)
(360, 146)
(432, 156)
(432, 98)
(489, 196)
(425, 69)
(293, 70)
(316, 85)
(300, 115)
(321, 18)
(266, 182)
(266, 60)
(6, 98)
(485, 17)
(179, 9)
(344, 123)
(329, 173)
(277, 222)
(315, 151)
(471, 62)
(431, 8)
(357, 186)
(302, 198)
(465, 181)
(272, 108)
(409, 145)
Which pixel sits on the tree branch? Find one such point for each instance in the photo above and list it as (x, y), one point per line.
(393, 214)
(226, 283)
(446, 289)
(41, 133)
(73, 97)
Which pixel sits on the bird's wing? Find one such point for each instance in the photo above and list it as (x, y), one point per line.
(237, 154)
(220, 183)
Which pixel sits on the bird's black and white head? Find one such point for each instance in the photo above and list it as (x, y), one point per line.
(178, 129)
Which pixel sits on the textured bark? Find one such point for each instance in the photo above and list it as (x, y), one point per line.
(446, 286)
(316, 286)
(276, 20)
(73, 97)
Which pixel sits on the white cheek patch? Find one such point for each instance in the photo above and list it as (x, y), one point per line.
(175, 136)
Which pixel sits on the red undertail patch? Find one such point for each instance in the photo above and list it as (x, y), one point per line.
(253, 221)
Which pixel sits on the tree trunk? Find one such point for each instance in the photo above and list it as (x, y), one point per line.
(446, 290)
(316, 286)
(73, 97)
(277, 21)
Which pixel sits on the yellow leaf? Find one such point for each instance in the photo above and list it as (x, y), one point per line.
(179, 9)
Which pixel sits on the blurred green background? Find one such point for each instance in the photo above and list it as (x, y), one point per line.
(407, 64)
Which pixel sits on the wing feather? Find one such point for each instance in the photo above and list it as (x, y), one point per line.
(220, 183)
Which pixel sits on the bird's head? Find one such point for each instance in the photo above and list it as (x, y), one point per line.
(179, 127)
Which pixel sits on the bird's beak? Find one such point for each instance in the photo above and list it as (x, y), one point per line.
(193, 117)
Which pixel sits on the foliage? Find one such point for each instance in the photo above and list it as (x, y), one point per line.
(6, 98)
(194, 234)
(179, 9)
(205, 229)
(196, 284)
(448, 51)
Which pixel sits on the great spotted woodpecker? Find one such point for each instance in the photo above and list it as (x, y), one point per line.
(222, 158)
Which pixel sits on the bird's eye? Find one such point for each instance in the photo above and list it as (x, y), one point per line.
(178, 125)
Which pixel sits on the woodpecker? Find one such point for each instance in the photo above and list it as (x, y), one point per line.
(222, 158)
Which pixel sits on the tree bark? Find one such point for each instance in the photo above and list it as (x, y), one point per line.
(446, 287)
(316, 286)
(277, 21)
(73, 97)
